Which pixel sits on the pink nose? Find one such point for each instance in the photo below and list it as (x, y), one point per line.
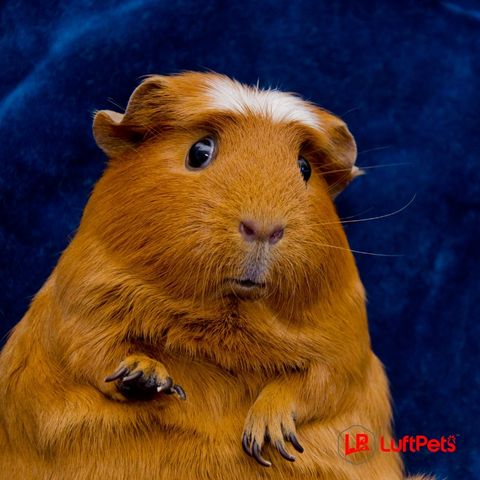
(252, 231)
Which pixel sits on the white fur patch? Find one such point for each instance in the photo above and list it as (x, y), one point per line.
(230, 95)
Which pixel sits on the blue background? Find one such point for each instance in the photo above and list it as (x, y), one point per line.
(405, 77)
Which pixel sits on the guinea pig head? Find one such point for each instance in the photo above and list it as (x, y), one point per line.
(215, 189)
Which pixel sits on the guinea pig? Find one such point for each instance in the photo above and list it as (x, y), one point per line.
(207, 321)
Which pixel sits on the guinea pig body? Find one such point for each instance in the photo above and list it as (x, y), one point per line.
(207, 320)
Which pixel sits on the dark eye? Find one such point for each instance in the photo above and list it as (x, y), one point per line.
(201, 153)
(305, 168)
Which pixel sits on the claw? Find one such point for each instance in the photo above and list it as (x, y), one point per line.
(165, 386)
(133, 376)
(283, 452)
(258, 456)
(116, 375)
(246, 444)
(296, 444)
(180, 392)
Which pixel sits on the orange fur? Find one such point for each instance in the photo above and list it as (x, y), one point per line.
(143, 283)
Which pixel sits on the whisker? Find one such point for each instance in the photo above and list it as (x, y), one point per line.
(362, 252)
(332, 187)
(374, 149)
(373, 254)
(353, 109)
(367, 167)
(110, 100)
(356, 214)
(383, 165)
(379, 217)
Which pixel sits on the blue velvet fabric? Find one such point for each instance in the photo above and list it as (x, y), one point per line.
(404, 75)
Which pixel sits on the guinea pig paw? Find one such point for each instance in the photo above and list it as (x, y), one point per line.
(272, 430)
(141, 378)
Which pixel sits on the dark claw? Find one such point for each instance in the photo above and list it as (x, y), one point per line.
(165, 386)
(116, 375)
(246, 444)
(296, 444)
(180, 392)
(258, 456)
(281, 450)
(133, 376)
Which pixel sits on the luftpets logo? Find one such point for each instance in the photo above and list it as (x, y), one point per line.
(357, 444)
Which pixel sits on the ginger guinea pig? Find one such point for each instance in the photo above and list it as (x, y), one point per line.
(207, 320)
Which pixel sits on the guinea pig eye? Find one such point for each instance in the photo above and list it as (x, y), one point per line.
(305, 168)
(201, 153)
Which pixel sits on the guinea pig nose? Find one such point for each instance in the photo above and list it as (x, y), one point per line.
(252, 231)
(276, 235)
(249, 230)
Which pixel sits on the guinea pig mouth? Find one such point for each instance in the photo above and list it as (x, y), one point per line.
(244, 288)
(247, 283)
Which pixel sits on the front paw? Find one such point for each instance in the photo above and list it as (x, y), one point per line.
(264, 426)
(141, 378)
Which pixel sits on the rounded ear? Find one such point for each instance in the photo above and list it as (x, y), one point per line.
(116, 133)
(339, 151)
(106, 126)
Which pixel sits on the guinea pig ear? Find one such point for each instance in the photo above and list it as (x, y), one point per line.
(117, 133)
(339, 151)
